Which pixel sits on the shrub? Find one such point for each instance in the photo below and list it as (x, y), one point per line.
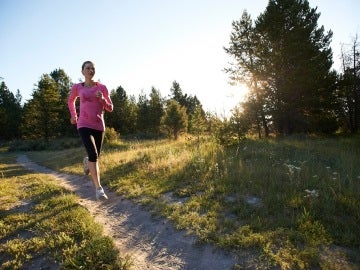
(111, 135)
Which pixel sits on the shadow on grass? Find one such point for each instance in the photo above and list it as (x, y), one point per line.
(47, 226)
(221, 186)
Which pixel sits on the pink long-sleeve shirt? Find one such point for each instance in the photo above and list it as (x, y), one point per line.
(91, 107)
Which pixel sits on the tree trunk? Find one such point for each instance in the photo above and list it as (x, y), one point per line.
(356, 108)
(264, 123)
(356, 91)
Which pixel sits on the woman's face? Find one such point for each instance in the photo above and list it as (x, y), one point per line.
(88, 70)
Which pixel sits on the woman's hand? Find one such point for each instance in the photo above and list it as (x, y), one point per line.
(73, 120)
(99, 95)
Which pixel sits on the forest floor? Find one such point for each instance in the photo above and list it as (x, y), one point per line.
(152, 242)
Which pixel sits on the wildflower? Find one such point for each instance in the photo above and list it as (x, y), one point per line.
(311, 193)
(292, 168)
(217, 170)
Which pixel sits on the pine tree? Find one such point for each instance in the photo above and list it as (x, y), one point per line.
(143, 108)
(42, 114)
(349, 86)
(175, 118)
(198, 122)
(188, 101)
(295, 58)
(63, 85)
(123, 117)
(244, 43)
(285, 59)
(177, 94)
(156, 111)
(10, 113)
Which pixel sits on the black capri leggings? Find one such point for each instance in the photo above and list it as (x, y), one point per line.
(92, 140)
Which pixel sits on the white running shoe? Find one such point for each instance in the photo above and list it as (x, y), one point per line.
(100, 194)
(86, 165)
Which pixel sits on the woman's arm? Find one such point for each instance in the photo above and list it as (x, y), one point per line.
(106, 100)
(71, 104)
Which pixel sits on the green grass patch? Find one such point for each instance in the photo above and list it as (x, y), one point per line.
(40, 220)
(294, 202)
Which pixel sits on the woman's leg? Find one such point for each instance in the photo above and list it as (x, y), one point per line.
(92, 140)
(95, 173)
(98, 138)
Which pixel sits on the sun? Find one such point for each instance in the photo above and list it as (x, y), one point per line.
(238, 92)
(243, 91)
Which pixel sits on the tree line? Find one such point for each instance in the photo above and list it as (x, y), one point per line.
(283, 57)
(46, 114)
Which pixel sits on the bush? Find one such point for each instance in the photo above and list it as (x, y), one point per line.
(111, 135)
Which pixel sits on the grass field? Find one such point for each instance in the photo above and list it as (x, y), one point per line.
(291, 202)
(42, 225)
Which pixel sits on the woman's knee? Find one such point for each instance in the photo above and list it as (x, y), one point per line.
(93, 157)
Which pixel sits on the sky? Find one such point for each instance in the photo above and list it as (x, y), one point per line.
(140, 44)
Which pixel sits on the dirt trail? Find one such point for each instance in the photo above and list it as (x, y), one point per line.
(152, 243)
